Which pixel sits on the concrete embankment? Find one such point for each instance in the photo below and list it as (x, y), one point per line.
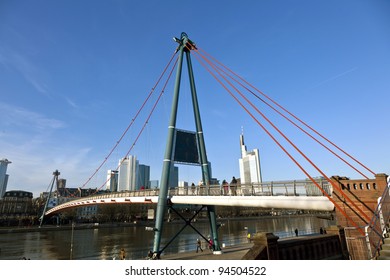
(235, 252)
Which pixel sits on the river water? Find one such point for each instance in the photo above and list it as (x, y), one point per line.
(106, 243)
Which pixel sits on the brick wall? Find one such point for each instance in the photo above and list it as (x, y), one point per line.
(357, 198)
(330, 246)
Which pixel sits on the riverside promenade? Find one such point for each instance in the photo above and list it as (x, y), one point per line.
(268, 246)
(235, 252)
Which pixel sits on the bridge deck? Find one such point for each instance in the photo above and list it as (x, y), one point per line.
(301, 195)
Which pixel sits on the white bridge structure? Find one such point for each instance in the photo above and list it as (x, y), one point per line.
(294, 195)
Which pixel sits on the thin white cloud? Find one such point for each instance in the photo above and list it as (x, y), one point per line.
(335, 77)
(37, 146)
(32, 167)
(14, 117)
(11, 59)
(219, 113)
(71, 103)
(28, 139)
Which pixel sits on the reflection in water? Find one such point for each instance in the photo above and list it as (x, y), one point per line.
(105, 243)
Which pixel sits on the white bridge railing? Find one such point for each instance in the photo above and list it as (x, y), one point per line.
(297, 188)
(273, 188)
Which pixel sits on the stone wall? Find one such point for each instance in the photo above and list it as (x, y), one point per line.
(330, 246)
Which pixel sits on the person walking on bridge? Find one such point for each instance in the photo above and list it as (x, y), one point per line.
(233, 186)
(225, 186)
(198, 245)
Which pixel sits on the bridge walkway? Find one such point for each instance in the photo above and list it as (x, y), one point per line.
(234, 252)
(295, 193)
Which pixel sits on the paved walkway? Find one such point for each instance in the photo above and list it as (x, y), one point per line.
(235, 252)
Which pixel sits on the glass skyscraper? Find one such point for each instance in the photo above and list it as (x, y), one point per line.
(3, 176)
(250, 169)
(127, 174)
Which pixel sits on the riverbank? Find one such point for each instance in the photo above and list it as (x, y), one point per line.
(235, 252)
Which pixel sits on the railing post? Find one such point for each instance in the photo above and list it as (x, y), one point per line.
(295, 188)
(368, 243)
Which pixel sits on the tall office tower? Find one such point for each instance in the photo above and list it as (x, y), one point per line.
(143, 176)
(61, 187)
(3, 176)
(174, 177)
(112, 180)
(127, 175)
(250, 169)
(61, 183)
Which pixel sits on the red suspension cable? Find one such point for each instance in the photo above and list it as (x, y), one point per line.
(145, 123)
(291, 114)
(132, 121)
(289, 120)
(273, 138)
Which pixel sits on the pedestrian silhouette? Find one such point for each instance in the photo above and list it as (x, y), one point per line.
(233, 186)
(225, 186)
(210, 244)
(198, 245)
(150, 255)
(122, 254)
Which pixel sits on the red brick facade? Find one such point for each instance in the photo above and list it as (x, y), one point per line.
(357, 198)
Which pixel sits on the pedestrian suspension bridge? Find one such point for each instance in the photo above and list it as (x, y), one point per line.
(363, 205)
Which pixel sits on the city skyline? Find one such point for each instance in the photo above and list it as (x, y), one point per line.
(74, 74)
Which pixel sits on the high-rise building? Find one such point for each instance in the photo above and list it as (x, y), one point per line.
(183, 184)
(143, 176)
(61, 187)
(250, 169)
(3, 176)
(61, 183)
(127, 175)
(112, 180)
(173, 177)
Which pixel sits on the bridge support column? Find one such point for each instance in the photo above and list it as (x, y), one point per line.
(168, 162)
(54, 180)
(185, 45)
(213, 225)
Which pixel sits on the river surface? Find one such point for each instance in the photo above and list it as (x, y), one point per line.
(106, 243)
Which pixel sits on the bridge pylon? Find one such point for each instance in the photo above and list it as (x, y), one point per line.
(54, 180)
(172, 153)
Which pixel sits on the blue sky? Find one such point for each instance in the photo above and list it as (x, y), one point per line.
(74, 73)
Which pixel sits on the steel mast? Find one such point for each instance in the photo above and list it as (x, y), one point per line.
(185, 46)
